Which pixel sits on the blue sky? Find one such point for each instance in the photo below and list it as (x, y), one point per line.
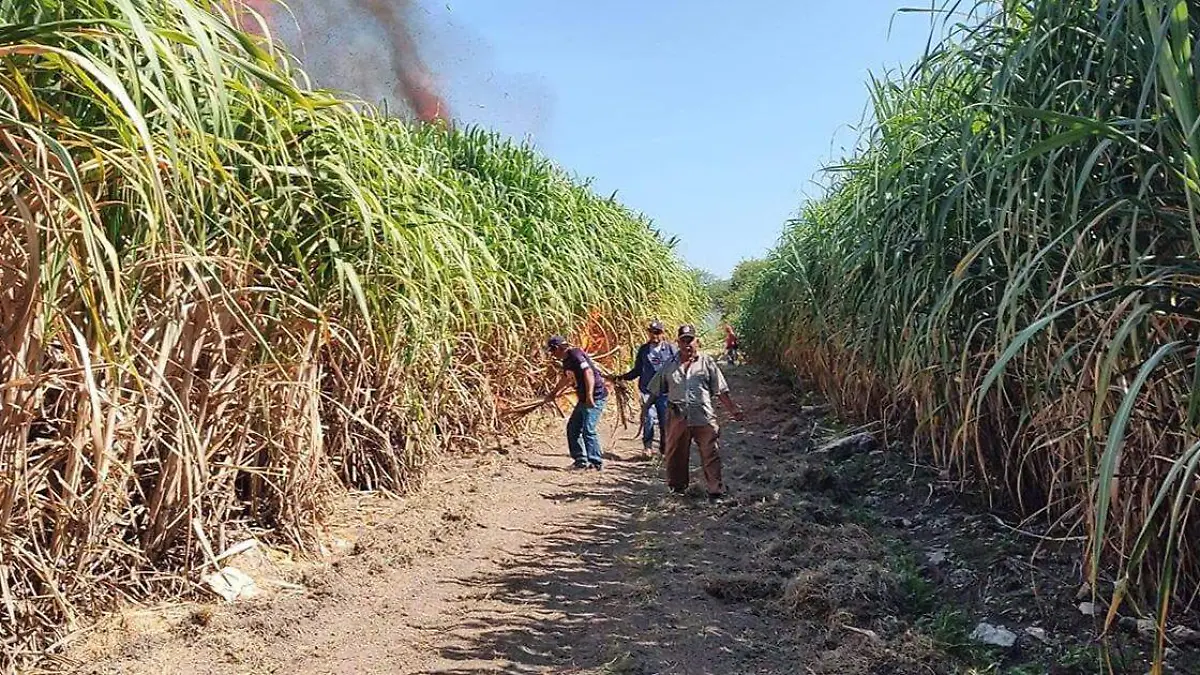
(712, 118)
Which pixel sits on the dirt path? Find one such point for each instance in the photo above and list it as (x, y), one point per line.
(510, 563)
(505, 563)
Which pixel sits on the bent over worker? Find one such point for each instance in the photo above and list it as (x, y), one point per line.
(583, 439)
(690, 382)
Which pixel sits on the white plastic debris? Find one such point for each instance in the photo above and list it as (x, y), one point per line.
(1089, 608)
(231, 584)
(1038, 634)
(997, 636)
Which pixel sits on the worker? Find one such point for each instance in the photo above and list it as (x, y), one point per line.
(691, 380)
(583, 437)
(651, 357)
(731, 345)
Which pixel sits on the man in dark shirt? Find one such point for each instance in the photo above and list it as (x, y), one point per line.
(651, 357)
(583, 439)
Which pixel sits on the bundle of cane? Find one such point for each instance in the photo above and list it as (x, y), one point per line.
(621, 390)
(528, 407)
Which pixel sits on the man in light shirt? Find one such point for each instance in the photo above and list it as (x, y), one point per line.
(691, 381)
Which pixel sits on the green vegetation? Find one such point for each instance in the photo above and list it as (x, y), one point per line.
(951, 630)
(730, 295)
(224, 297)
(918, 593)
(1006, 271)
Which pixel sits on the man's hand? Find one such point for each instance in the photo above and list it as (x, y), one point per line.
(735, 410)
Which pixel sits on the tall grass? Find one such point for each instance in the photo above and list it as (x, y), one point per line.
(224, 297)
(1007, 271)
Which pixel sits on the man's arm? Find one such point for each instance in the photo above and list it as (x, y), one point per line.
(716, 383)
(564, 381)
(735, 411)
(589, 380)
(637, 366)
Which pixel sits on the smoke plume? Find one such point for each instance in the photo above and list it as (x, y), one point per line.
(405, 55)
(366, 47)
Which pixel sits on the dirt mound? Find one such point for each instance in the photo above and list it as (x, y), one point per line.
(858, 654)
(804, 544)
(852, 591)
(816, 573)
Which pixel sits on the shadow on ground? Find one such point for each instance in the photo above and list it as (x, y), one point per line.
(618, 591)
(800, 572)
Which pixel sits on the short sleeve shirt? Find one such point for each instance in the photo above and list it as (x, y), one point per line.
(577, 362)
(692, 387)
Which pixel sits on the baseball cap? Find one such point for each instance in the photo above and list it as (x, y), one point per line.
(555, 342)
(655, 326)
(687, 330)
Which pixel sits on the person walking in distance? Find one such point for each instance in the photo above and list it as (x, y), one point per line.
(651, 357)
(583, 438)
(691, 381)
(731, 345)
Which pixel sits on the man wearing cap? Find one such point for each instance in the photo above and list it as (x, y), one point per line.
(651, 357)
(690, 381)
(583, 439)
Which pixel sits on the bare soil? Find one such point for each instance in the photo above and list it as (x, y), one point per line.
(822, 563)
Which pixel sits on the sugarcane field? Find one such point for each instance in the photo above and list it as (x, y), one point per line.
(623, 338)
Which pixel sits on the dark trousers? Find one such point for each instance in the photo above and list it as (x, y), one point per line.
(679, 450)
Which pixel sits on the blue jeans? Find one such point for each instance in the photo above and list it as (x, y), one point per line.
(583, 440)
(655, 416)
